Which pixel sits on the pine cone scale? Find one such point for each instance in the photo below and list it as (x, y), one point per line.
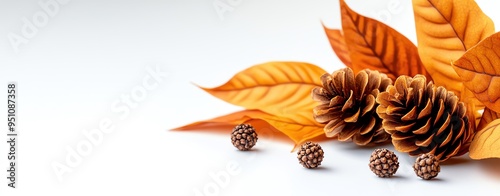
(446, 140)
(349, 103)
(347, 133)
(366, 128)
(423, 129)
(334, 127)
(324, 113)
(364, 139)
(405, 128)
(353, 118)
(369, 104)
(410, 116)
(336, 101)
(320, 95)
(425, 142)
(405, 145)
(361, 82)
(424, 113)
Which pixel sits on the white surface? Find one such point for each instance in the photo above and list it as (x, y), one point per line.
(92, 52)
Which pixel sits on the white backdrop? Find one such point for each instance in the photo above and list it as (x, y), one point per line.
(127, 68)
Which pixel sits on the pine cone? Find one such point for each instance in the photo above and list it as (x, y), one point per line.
(426, 166)
(347, 105)
(423, 118)
(310, 155)
(244, 137)
(384, 163)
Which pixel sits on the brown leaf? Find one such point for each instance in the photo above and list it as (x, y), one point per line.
(278, 88)
(486, 143)
(479, 69)
(487, 117)
(376, 46)
(264, 123)
(445, 30)
(338, 44)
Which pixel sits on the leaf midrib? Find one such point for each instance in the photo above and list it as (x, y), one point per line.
(265, 85)
(452, 27)
(367, 43)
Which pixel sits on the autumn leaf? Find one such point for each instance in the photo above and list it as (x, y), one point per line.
(479, 69)
(225, 120)
(278, 88)
(487, 117)
(338, 44)
(445, 31)
(297, 131)
(376, 46)
(486, 143)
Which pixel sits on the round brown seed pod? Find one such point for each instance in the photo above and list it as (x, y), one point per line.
(426, 166)
(310, 155)
(384, 163)
(244, 137)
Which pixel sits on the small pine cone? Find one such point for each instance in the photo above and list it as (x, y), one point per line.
(426, 166)
(384, 163)
(347, 105)
(244, 137)
(423, 118)
(310, 155)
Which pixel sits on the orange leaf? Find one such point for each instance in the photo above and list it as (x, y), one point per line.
(225, 120)
(479, 69)
(377, 46)
(445, 30)
(298, 132)
(278, 88)
(486, 143)
(487, 117)
(338, 44)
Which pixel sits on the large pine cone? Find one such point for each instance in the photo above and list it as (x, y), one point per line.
(347, 105)
(423, 118)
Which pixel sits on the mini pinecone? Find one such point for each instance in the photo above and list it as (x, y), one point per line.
(347, 105)
(426, 166)
(384, 163)
(244, 137)
(423, 118)
(310, 155)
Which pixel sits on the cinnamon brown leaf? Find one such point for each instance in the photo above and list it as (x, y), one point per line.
(376, 46)
(338, 44)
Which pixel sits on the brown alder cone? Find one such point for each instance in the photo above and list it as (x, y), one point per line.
(347, 105)
(384, 163)
(426, 166)
(310, 155)
(423, 118)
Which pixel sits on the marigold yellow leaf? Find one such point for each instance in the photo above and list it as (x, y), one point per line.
(479, 69)
(486, 143)
(279, 88)
(445, 31)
